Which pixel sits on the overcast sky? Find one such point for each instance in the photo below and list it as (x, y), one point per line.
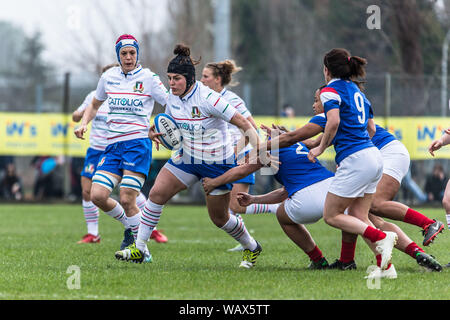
(59, 20)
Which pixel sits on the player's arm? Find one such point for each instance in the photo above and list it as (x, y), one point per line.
(333, 121)
(89, 114)
(159, 91)
(287, 139)
(439, 143)
(312, 143)
(249, 132)
(231, 175)
(275, 196)
(252, 122)
(371, 129)
(77, 115)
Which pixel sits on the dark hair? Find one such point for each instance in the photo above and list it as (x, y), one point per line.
(185, 54)
(341, 64)
(224, 70)
(183, 64)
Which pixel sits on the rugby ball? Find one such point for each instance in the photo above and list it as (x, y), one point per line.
(171, 136)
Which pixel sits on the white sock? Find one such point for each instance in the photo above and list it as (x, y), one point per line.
(133, 223)
(149, 219)
(140, 201)
(91, 215)
(235, 227)
(448, 221)
(262, 208)
(119, 214)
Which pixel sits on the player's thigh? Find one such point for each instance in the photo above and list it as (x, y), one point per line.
(166, 185)
(360, 207)
(387, 188)
(335, 205)
(282, 216)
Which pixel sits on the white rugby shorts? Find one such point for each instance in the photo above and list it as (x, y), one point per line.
(358, 174)
(396, 160)
(306, 205)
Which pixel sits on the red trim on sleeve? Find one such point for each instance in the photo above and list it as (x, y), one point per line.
(328, 89)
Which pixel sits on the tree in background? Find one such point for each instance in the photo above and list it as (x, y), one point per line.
(192, 23)
(23, 70)
(282, 42)
(279, 45)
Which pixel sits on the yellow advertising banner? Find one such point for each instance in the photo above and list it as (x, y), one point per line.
(28, 134)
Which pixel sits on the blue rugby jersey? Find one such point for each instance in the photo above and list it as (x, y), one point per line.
(296, 171)
(354, 112)
(381, 137)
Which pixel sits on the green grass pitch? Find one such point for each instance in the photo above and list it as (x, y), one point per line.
(39, 247)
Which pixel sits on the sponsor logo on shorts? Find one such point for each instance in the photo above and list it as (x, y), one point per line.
(129, 164)
(102, 160)
(89, 168)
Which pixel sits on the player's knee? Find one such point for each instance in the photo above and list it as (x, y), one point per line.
(159, 195)
(219, 221)
(98, 198)
(127, 200)
(330, 220)
(86, 195)
(236, 208)
(376, 206)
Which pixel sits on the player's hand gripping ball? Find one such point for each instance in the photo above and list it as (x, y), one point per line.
(171, 136)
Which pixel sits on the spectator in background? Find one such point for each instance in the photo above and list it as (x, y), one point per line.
(4, 161)
(435, 184)
(288, 111)
(11, 185)
(46, 185)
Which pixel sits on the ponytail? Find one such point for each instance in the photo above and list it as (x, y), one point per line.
(225, 71)
(342, 65)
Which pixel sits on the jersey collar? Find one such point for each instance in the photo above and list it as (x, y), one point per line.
(222, 93)
(132, 72)
(333, 80)
(186, 97)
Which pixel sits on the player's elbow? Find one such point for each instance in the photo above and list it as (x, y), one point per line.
(76, 117)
